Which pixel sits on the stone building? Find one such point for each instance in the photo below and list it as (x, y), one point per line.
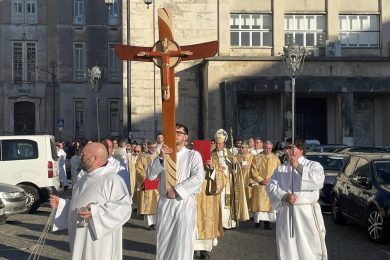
(342, 94)
(47, 48)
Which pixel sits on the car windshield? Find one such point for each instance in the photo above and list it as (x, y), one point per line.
(330, 163)
(382, 170)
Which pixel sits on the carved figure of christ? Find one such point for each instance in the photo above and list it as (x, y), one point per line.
(165, 66)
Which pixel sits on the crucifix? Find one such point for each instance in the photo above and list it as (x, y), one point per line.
(167, 54)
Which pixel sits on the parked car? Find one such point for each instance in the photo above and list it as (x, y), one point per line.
(30, 162)
(325, 147)
(360, 149)
(2, 213)
(362, 193)
(14, 199)
(332, 163)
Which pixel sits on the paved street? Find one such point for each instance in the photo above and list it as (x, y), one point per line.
(20, 233)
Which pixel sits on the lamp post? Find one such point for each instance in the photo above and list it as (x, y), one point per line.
(293, 59)
(52, 73)
(94, 78)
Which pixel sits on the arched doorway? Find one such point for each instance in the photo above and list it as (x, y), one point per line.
(24, 118)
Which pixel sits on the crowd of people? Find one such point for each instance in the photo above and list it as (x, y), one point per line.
(246, 182)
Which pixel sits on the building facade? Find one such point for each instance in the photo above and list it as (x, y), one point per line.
(342, 93)
(47, 48)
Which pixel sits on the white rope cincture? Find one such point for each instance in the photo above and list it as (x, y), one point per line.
(37, 248)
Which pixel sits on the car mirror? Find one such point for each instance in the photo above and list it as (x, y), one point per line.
(363, 181)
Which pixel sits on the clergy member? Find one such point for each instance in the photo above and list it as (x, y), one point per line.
(263, 166)
(244, 162)
(100, 205)
(209, 214)
(294, 191)
(146, 199)
(258, 149)
(233, 199)
(133, 157)
(176, 209)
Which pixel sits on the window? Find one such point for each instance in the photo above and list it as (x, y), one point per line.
(359, 30)
(251, 30)
(79, 61)
(382, 170)
(307, 30)
(113, 13)
(114, 116)
(24, 61)
(351, 165)
(114, 63)
(79, 122)
(24, 11)
(78, 11)
(19, 150)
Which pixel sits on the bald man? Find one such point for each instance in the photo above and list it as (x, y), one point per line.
(100, 205)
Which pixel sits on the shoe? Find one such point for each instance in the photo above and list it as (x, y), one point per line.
(257, 225)
(267, 225)
(152, 227)
(204, 255)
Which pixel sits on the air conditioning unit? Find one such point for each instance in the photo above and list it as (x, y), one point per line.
(333, 48)
(311, 51)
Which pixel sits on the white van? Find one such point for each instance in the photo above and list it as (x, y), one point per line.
(31, 162)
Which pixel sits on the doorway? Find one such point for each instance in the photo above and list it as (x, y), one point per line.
(311, 118)
(24, 118)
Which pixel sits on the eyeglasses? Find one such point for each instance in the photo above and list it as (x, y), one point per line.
(180, 133)
(136, 151)
(128, 149)
(287, 147)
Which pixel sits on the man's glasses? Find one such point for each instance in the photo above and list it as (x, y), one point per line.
(136, 151)
(180, 133)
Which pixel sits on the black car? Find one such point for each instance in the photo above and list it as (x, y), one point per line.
(332, 164)
(362, 193)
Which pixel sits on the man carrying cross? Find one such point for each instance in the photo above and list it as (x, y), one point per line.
(181, 175)
(176, 208)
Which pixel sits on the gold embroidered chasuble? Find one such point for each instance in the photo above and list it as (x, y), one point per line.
(209, 214)
(244, 163)
(234, 189)
(133, 185)
(146, 199)
(263, 167)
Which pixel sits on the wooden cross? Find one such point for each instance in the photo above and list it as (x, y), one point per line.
(167, 54)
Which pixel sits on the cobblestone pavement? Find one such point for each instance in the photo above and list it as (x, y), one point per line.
(19, 235)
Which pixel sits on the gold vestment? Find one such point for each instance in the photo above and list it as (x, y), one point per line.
(244, 163)
(263, 167)
(234, 187)
(146, 199)
(209, 215)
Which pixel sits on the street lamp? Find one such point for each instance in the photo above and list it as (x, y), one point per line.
(52, 73)
(94, 78)
(293, 59)
(148, 2)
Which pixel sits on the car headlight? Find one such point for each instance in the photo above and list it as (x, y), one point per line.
(12, 195)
